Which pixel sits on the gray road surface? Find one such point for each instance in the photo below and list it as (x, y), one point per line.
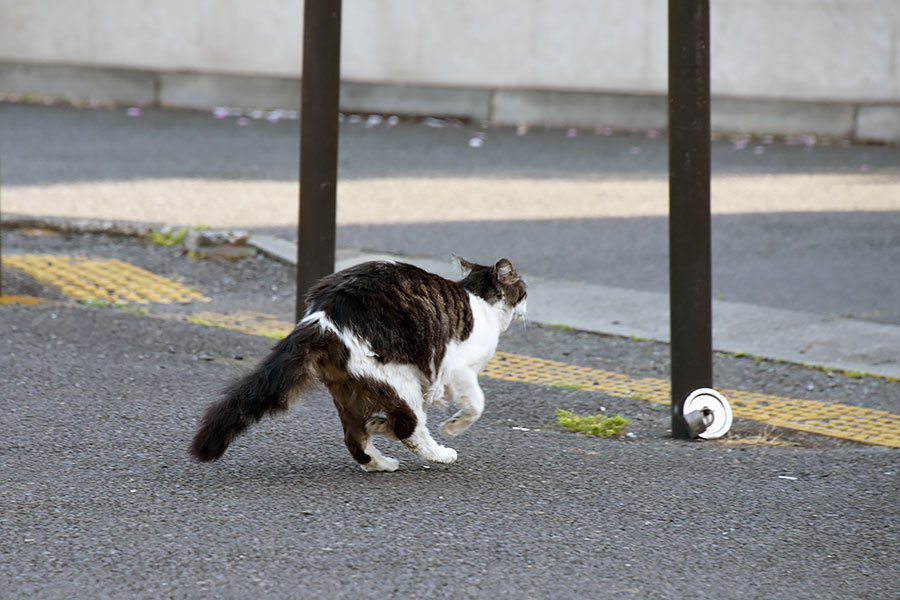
(808, 228)
(98, 498)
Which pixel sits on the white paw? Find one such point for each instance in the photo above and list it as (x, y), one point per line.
(444, 455)
(385, 464)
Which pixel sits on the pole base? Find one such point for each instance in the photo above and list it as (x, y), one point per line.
(707, 413)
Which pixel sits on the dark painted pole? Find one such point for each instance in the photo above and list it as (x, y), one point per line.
(690, 279)
(318, 143)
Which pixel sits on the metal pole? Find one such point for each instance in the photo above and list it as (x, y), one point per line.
(690, 281)
(318, 143)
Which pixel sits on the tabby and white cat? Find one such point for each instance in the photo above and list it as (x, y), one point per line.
(387, 339)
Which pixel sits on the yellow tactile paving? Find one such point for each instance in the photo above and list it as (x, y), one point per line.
(254, 323)
(116, 281)
(24, 300)
(854, 423)
(835, 420)
(108, 279)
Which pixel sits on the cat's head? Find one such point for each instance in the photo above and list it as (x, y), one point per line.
(498, 283)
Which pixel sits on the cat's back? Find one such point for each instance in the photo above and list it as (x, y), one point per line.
(405, 313)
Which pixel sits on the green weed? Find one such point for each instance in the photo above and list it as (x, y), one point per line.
(270, 333)
(572, 386)
(99, 303)
(118, 306)
(167, 238)
(558, 327)
(201, 321)
(599, 425)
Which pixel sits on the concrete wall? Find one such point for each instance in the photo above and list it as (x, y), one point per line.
(518, 60)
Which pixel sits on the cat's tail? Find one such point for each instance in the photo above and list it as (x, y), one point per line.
(288, 369)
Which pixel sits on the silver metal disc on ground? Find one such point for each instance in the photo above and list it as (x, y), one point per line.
(713, 403)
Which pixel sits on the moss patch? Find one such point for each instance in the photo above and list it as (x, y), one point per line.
(599, 425)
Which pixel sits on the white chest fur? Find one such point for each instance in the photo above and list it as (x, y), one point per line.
(476, 350)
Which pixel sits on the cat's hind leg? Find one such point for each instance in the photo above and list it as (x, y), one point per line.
(467, 394)
(424, 446)
(418, 439)
(405, 420)
(381, 425)
(379, 461)
(353, 410)
(415, 441)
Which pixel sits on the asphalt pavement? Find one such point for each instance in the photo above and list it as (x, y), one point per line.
(100, 500)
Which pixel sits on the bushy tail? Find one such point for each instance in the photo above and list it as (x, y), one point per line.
(283, 374)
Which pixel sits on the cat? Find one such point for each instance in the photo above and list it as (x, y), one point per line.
(387, 339)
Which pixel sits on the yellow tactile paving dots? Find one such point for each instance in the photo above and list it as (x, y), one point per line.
(834, 420)
(106, 279)
(115, 281)
(863, 425)
(841, 421)
(23, 300)
(254, 323)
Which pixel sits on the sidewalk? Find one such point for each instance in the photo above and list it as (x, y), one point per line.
(797, 225)
(829, 342)
(805, 247)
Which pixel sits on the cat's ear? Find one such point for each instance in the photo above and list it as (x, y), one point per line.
(505, 272)
(464, 265)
